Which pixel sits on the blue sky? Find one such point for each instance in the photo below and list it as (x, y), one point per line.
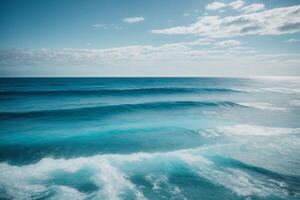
(149, 38)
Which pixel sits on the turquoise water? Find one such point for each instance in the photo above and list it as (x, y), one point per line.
(150, 138)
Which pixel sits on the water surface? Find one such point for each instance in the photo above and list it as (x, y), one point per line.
(149, 138)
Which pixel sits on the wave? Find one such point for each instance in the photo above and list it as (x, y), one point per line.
(279, 90)
(248, 130)
(262, 106)
(114, 176)
(282, 90)
(126, 91)
(233, 163)
(119, 108)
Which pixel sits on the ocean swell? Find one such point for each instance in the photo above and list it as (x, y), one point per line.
(120, 92)
(120, 108)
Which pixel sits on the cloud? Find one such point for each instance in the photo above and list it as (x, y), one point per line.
(236, 4)
(292, 40)
(228, 43)
(190, 58)
(219, 5)
(106, 26)
(290, 27)
(215, 5)
(99, 25)
(132, 20)
(165, 60)
(275, 21)
(253, 8)
(180, 51)
(201, 41)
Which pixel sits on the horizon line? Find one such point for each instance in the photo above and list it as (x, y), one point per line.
(216, 76)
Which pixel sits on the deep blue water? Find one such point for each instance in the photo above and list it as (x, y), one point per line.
(150, 138)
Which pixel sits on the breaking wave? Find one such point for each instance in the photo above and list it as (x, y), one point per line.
(116, 176)
(248, 130)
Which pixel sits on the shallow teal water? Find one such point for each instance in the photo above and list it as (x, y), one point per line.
(150, 138)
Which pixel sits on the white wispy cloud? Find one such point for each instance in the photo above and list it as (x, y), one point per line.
(170, 51)
(132, 20)
(178, 53)
(172, 58)
(275, 21)
(219, 5)
(229, 43)
(201, 41)
(107, 26)
(99, 25)
(215, 5)
(253, 8)
(236, 4)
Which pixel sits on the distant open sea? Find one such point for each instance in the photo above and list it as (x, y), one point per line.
(150, 138)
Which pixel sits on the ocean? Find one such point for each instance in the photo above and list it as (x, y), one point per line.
(150, 138)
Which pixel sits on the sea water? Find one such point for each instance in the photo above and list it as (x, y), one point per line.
(150, 138)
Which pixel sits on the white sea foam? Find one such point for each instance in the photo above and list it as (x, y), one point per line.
(65, 192)
(161, 183)
(235, 180)
(245, 129)
(282, 90)
(262, 106)
(248, 130)
(112, 182)
(111, 174)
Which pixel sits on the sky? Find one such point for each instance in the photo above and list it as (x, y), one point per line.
(112, 38)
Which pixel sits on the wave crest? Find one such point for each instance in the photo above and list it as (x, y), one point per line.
(112, 174)
(248, 130)
(107, 109)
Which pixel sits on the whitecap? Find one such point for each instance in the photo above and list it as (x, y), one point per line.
(246, 129)
(113, 183)
(161, 183)
(111, 173)
(282, 90)
(262, 106)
